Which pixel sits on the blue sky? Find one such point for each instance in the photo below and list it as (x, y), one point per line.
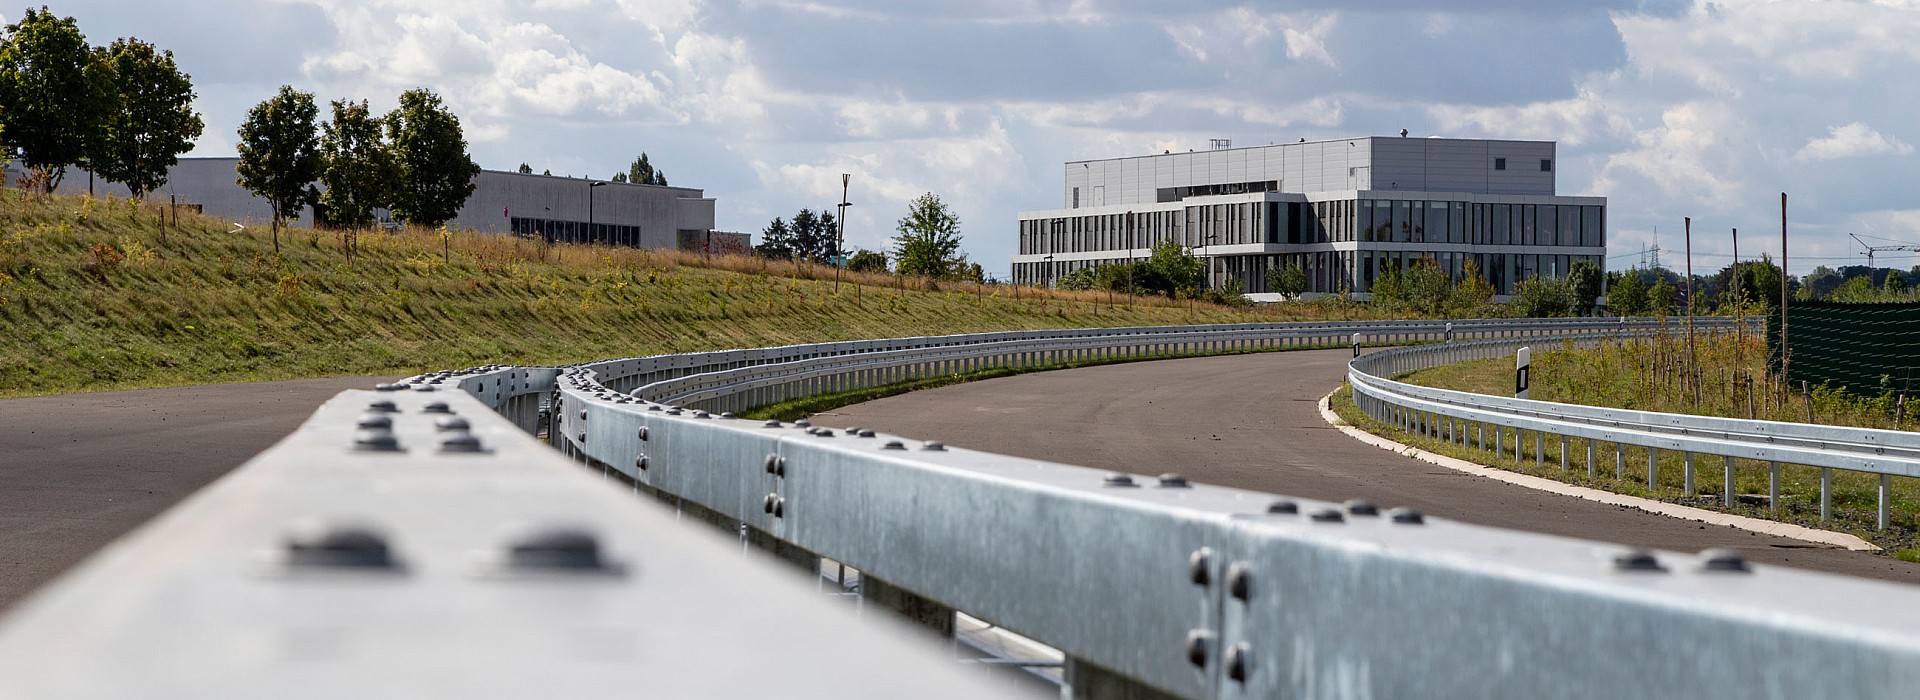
(1669, 108)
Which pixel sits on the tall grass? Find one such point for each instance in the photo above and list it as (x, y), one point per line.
(100, 294)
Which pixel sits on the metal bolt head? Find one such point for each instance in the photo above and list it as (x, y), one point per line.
(343, 547)
(1362, 507)
(934, 446)
(1173, 481)
(854, 430)
(766, 504)
(1636, 560)
(779, 507)
(1199, 645)
(452, 424)
(1238, 580)
(776, 464)
(866, 433)
(1721, 559)
(437, 407)
(424, 388)
(894, 445)
(1406, 516)
(389, 387)
(558, 549)
(1283, 507)
(673, 411)
(727, 415)
(1237, 658)
(1121, 480)
(643, 433)
(582, 436)
(583, 414)
(383, 406)
(803, 423)
(1200, 567)
(463, 442)
(771, 424)
(376, 441)
(1326, 515)
(702, 414)
(640, 462)
(822, 432)
(375, 421)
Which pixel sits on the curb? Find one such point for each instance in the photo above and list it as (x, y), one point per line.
(1765, 527)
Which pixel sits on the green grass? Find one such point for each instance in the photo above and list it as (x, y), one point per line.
(97, 295)
(1645, 375)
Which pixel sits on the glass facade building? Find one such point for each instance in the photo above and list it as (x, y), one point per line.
(1509, 230)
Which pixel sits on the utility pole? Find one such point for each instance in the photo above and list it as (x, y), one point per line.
(840, 235)
(1783, 293)
(1691, 356)
(1739, 302)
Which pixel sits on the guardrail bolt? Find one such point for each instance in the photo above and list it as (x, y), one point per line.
(389, 387)
(1200, 567)
(1119, 480)
(803, 423)
(1237, 661)
(643, 433)
(379, 440)
(1199, 645)
(640, 462)
(766, 504)
(349, 546)
(583, 414)
(894, 445)
(1362, 507)
(934, 446)
(452, 424)
(702, 414)
(383, 406)
(853, 430)
(1173, 481)
(771, 424)
(426, 388)
(776, 465)
(779, 507)
(1283, 507)
(867, 433)
(1637, 560)
(1327, 515)
(1406, 516)
(375, 421)
(463, 442)
(727, 415)
(1720, 559)
(673, 411)
(437, 407)
(582, 436)
(559, 549)
(1237, 580)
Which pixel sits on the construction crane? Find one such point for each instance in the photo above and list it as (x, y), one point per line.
(1871, 249)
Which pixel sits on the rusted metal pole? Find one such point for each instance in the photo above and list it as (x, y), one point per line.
(1687, 376)
(1783, 289)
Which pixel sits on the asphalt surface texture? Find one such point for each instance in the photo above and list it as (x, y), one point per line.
(78, 471)
(1252, 422)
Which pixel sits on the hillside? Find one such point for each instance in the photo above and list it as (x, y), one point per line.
(98, 294)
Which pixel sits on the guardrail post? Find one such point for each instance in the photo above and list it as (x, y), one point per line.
(1619, 461)
(1653, 469)
(1727, 487)
(1826, 492)
(1539, 448)
(1589, 458)
(1773, 486)
(1886, 486)
(1687, 473)
(1563, 453)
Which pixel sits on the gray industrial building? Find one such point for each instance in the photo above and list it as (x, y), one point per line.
(1345, 210)
(560, 208)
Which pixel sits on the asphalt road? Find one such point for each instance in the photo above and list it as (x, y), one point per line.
(1251, 421)
(78, 471)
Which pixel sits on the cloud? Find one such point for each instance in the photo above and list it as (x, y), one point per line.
(1850, 141)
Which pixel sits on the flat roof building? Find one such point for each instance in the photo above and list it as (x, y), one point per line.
(1344, 210)
(564, 209)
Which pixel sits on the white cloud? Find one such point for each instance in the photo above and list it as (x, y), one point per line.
(1239, 34)
(1852, 140)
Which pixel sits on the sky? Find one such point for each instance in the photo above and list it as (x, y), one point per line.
(1669, 108)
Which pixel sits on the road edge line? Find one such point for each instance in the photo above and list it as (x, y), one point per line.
(1673, 510)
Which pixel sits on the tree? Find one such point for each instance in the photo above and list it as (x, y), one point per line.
(56, 93)
(526, 169)
(433, 173)
(1171, 269)
(279, 159)
(641, 172)
(1289, 282)
(1661, 297)
(1077, 280)
(1583, 281)
(1472, 293)
(1628, 295)
(776, 241)
(143, 139)
(814, 236)
(1535, 297)
(928, 240)
(865, 260)
(356, 167)
(618, 177)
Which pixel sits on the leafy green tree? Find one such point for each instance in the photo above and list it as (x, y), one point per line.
(1171, 269)
(356, 167)
(433, 173)
(1896, 285)
(641, 172)
(1820, 283)
(865, 260)
(1662, 297)
(1472, 294)
(526, 169)
(928, 242)
(56, 93)
(143, 139)
(815, 236)
(1289, 282)
(279, 157)
(1078, 280)
(776, 241)
(1628, 295)
(1535, 297)
(1583, 281)
(618, 177)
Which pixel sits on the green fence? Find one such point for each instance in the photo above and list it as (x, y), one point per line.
(1866, 348)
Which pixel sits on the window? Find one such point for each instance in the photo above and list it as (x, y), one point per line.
(1546, 165)
(1076, 198)
(1498, 164)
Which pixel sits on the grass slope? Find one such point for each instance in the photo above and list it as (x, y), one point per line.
(97, 295)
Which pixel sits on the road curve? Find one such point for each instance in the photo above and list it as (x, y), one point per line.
(1251, 421)
(78, 471)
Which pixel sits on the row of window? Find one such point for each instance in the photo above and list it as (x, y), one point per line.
(1367, 220)
(1335, 271)
(557, 231)
(1546, 164)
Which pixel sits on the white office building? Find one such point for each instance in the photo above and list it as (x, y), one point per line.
(1345, 210)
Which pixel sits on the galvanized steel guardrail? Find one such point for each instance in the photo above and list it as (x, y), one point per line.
(1466, 418)
(1149, 584)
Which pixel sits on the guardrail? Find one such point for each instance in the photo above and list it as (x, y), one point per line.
(1149, 584)
(1465, 418)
